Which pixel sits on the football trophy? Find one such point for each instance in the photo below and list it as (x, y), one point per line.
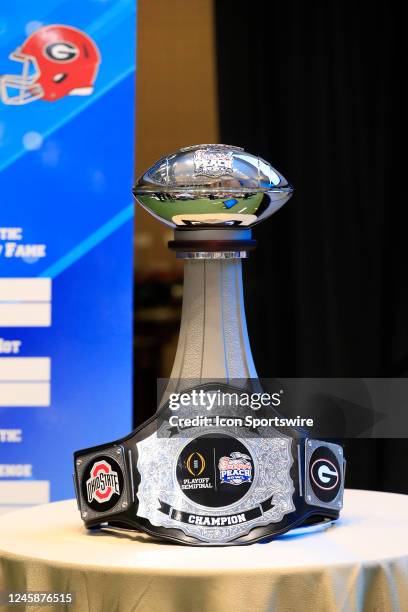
(207, 484)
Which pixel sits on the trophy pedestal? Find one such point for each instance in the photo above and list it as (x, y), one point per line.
(213, 341)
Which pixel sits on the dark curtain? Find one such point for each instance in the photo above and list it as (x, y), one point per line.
(318, 89)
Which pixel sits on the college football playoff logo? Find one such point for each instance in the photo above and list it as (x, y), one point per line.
(195, 464)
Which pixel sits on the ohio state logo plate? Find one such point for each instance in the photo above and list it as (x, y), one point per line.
(102, 483)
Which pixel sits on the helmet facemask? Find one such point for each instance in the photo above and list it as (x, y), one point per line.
(25, 84)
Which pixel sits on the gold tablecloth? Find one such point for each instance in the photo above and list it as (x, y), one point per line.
(359, 563)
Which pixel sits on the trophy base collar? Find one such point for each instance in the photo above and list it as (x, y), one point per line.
(212, 244)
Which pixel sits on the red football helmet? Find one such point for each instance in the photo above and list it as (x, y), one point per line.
(58, 61)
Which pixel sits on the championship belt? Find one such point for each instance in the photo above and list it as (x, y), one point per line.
(212, 487)
(211, 484)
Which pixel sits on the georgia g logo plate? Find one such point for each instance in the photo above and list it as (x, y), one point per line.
(325, 474)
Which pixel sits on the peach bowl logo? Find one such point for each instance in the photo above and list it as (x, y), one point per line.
(235, 469)
(213, 163)
(103, 483)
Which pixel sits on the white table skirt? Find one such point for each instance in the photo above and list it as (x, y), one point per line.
(359, 563)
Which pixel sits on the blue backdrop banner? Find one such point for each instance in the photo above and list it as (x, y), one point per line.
(66, 237)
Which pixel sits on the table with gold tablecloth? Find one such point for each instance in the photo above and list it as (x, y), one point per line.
(358, 563)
